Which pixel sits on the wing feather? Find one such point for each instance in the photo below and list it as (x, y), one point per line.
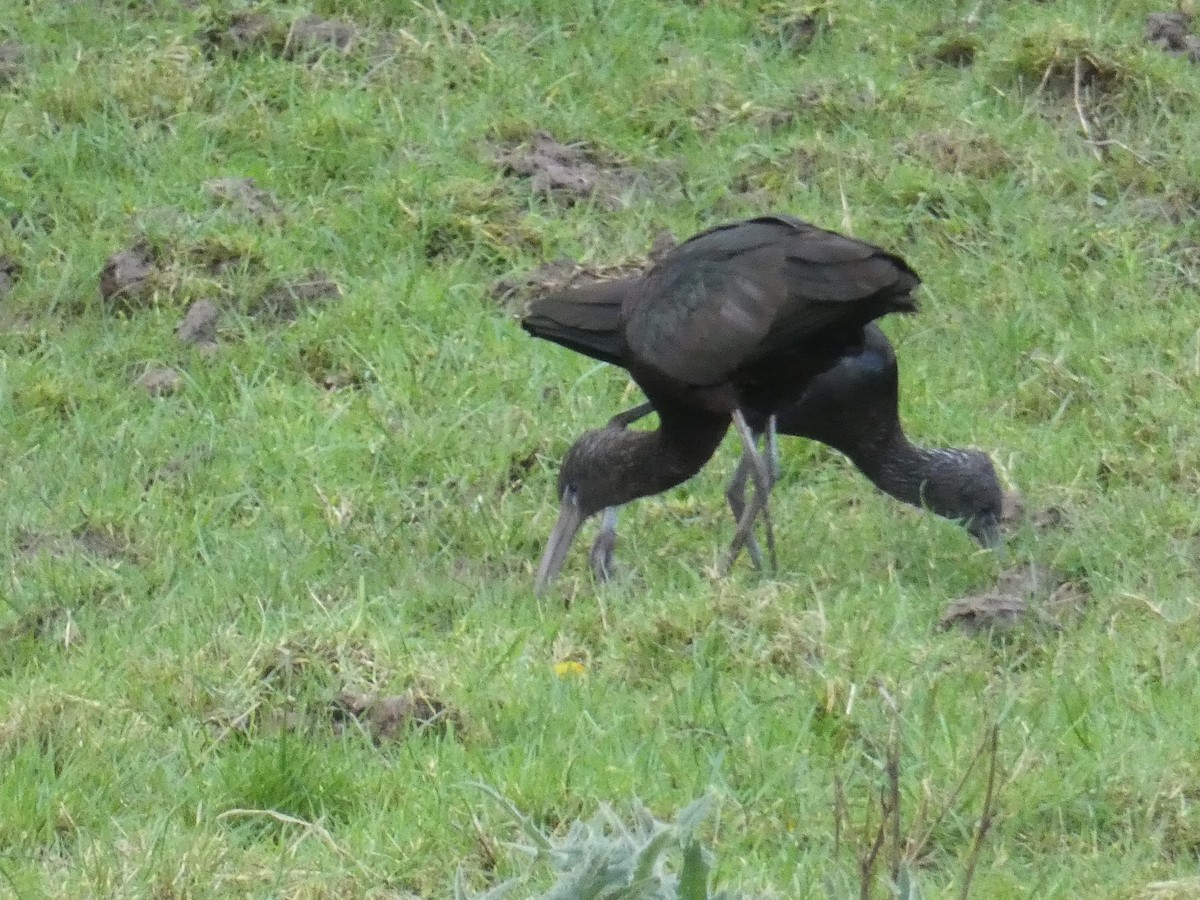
(734, 293)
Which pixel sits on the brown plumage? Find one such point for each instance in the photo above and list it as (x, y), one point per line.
(854, 407)
(737, 318)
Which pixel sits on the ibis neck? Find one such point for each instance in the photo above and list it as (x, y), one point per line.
(899, 467)
(650, 462)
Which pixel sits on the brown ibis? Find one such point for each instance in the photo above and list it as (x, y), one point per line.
(854, 407)
(737, 319)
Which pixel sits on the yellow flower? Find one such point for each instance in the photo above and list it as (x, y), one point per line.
(569, 667)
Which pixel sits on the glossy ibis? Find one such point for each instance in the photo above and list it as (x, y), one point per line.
(853, 407)
(741, 317)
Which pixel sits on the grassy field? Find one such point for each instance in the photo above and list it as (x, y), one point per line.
(348, 491)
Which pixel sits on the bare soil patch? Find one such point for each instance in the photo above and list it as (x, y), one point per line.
(312, 36)
(570, 173)
(519, 466)
(199, 325)
(13, 58)
(245, 194)
(284, 301)
(89, 540)
(1025, 592)
(160, 381)
(956, 49)
(179, 468)
(1172, 32)
(245, 32)
(977, 155)
(10, 271)
(796, 33)
(514, 291)
(251, 31)
(127, 279)
(390, 718)
(1013, 513)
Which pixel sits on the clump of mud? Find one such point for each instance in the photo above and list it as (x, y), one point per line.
(1023, 593)
(569, 173)
(516, 290)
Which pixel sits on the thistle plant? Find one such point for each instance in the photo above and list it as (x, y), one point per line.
(604, 858)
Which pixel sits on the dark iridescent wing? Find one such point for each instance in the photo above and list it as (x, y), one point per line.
(734, 293)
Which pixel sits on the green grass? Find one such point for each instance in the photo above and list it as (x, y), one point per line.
(218, 564)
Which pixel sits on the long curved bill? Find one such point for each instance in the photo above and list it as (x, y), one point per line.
(561, 538)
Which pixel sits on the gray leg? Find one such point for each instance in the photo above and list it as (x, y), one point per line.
(604, 547)
(772, 464)
(762, 489)
(735, 493)
(772, 448)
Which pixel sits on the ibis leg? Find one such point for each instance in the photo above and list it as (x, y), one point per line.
(603, 551)
(772, 448)
(769, 472)
(758, 503)
(772, 465)
(735, 493)
(601, 556)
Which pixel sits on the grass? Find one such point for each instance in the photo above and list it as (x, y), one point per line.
(191, 580)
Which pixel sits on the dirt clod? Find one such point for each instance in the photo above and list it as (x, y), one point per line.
(1029, 582)
(199, 325)
(160, 381)
(285, 300)
(388, 718)
(246, 194)
(957, 50)
(798, 32)
(180, 468)
(1013, 512)
(564, 272)
(52, 625)
(89, 539)
(1025, 591)
(312, 35)
(984, 612)
(245, 32)
(569, 173)
(126, 279)
(36, 624)
(12, 61)
(977, 155)
(1012, 508)
(519, 466)
(1172, 32)
(554, 275)
(10, 271)
(1048, 518)
(1067, 600)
